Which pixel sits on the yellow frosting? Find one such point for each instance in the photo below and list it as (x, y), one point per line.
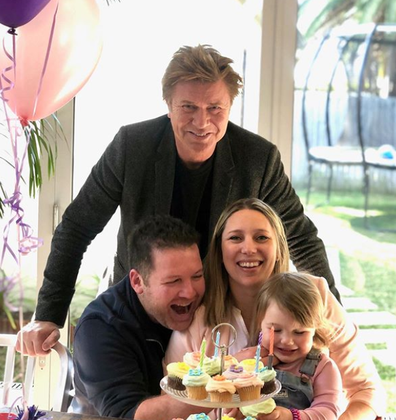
(178, 369)
(250, 364)
(264, 407)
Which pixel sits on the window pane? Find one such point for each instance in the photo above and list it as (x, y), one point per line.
(126, 86)
(345, 117)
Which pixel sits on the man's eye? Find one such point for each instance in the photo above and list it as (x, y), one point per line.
(173, 281)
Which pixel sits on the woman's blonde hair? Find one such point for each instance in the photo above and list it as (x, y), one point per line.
(203, 64)
(217, 298)
(298, 295)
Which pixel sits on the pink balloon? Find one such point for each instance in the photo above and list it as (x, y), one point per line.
(75, 51)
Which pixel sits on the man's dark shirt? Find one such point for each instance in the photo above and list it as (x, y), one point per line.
(118, 352)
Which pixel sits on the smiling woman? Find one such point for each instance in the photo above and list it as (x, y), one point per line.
(248, 247)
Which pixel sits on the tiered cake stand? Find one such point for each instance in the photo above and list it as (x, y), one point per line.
(236, 402)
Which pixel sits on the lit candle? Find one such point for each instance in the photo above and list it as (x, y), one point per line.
(257, 359)
(216, 351)
(271, 341)
(203, 347)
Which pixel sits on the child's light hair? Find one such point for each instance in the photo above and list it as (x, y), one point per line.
(297, 294)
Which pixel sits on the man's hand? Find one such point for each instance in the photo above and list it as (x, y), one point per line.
(38, 338)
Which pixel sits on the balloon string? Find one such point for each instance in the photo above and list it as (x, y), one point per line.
(9, 83)
(46, 58)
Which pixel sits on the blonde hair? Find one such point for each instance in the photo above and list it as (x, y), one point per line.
(218, 293)
(202, 63)
(296, 294)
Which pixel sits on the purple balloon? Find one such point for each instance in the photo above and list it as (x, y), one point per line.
(14, 13)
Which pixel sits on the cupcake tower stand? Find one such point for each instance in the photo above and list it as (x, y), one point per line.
(236, 402)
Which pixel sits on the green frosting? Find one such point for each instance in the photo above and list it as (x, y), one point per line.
(266, 374)
(195, 377)
(264, 407)
(211, 365)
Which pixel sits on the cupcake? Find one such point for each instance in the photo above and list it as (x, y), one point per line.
(225, 417)
(220, 389)
(250, 365)
(263, 407)
(228, 361)
(233, 372)
(248, 386)
(211, 365)
(176, 371)
(195, 381)
(268, 377)
(192, 358)
(250, 418)
(200, 416)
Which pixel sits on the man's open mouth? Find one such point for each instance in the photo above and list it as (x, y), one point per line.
(181, 309)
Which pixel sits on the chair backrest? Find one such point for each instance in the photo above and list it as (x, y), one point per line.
(62, 396)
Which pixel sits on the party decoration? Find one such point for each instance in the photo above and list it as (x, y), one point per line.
(202, 353)
(15, 13)
(55, 54)
(271, 347)
(256, 367)
(271, 340)
(216, 350)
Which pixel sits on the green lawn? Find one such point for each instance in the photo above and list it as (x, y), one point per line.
(367, 256)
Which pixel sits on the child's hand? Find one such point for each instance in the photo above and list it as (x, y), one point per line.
(279, 413)
(249, 353)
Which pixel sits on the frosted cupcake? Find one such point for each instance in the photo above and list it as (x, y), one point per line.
(211, 365)
(268, 377)
(192, 358)
(248, 386)
(228, 361)
(250, 365)
(195, 381)
(200, 416)
(263, 407)
(220, 389)
(233, 372)
(176, 371)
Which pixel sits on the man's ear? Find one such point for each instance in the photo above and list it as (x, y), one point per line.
(136, 281)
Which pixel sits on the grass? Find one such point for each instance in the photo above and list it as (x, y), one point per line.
(367, 255)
